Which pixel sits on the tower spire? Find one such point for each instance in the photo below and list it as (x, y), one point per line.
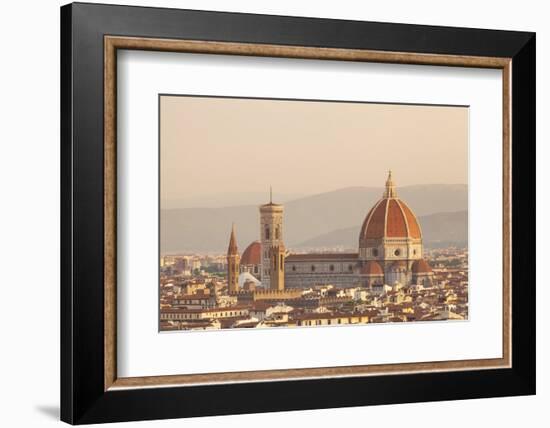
(270, 194)
(390, 187)
(232, 249)
(233, 260)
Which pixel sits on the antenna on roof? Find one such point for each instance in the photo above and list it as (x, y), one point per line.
(270, 195)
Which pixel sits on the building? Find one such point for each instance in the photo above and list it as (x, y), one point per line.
(233, 263)
(272, 246)
(308, 270)
(195, 301)
(390, 243)
(317, 319)
(251, 260)
(390, 251)
(202, 314)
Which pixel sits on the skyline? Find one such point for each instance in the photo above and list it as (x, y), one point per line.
(253, 146)
(386, 276)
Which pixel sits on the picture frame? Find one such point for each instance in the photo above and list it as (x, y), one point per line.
(91, 35)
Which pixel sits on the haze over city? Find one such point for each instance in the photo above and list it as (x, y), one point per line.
(302, 148)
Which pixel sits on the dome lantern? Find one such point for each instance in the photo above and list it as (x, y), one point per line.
(390, 187)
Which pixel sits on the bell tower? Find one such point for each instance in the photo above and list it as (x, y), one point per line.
(233, 263)
(277, 276)
(271, 233)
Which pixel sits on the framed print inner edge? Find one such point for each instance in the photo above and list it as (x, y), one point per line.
(113, 43)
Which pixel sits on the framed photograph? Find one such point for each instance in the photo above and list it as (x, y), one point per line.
(266, 213)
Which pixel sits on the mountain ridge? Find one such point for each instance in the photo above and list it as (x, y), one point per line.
(435, 232)
(207, 229)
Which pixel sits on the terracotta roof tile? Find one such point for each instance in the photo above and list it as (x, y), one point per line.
(421, 266)
(372, 268)
(252, 254)
(396, 225)
(392, 218)
(414, 227)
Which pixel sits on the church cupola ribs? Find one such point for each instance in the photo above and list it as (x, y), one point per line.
(233, 262)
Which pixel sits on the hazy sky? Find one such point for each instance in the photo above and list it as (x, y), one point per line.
(211, 146)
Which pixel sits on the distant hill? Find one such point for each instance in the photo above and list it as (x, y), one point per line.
(307, 218)
(443, 229)
(439, 229)
(219, 200)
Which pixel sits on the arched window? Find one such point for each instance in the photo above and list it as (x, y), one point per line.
(282, 262)
(331, 267)
(313, 268)
(277, 232)
(267, 232)
(375, 252)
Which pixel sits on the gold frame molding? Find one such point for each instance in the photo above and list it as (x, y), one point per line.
(113, 43)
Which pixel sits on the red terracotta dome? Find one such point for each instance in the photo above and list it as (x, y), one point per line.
(390, 217)
(252, 254)
(372, 268)
(421, 266)
(398, 265)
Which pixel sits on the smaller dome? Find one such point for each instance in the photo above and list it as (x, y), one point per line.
(252, 254)
(372, 268)
(421, 266)
(398, 265)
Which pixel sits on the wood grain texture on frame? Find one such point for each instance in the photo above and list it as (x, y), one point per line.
(112, 43)
(110, 185)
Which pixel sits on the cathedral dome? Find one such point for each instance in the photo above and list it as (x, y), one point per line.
(390, 217)
(252, 254)
(421, 266)
(372, 268)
